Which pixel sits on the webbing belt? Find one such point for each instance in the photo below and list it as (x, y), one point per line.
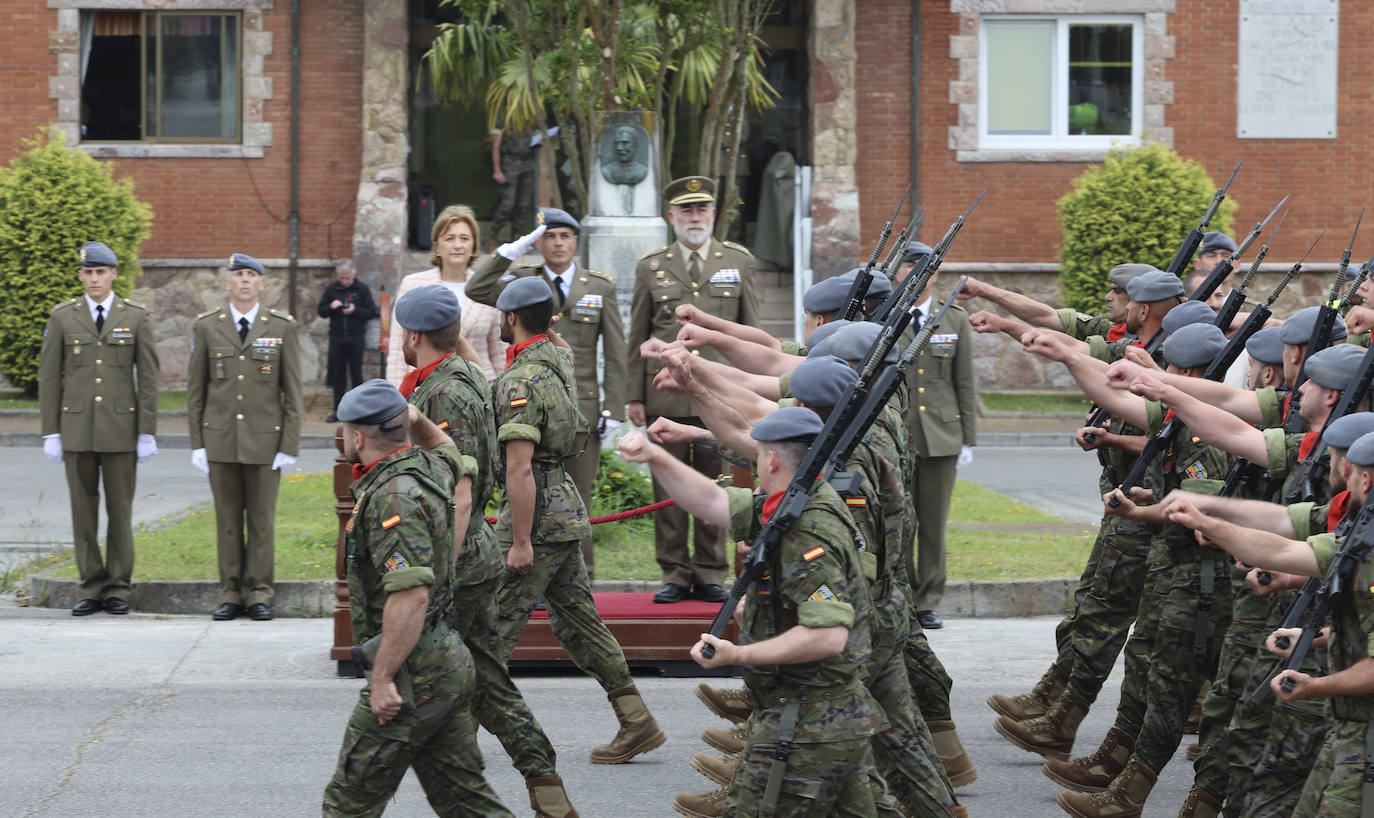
(787, 727)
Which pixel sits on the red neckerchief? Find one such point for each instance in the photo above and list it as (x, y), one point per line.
(1287, 402)
(771, 505)
(359, 470)
(1116, 333)
(1139, 342)
(1308, 441)
(516, 349)
(1339, 505)
(415, 377)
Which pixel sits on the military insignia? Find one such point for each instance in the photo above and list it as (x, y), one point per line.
(443, 424)
(264, 369)
(231, 259)
(944, 338)
(391, 521)
(1083, 316)
(396, 561)
(348, 528)
(1196, 440)
(122, 332)
(539, 219)
(693, 185)
(822, 594)
(76, 349)
(266, 342)
(1197, 471)
(813, 553)
(653, 265)
(590, 300)
(856, 502)
(727, 276)
(516, 403)
(83, 253)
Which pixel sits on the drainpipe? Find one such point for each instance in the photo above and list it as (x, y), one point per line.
(294, 218)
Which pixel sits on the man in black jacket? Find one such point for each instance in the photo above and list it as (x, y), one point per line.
(348, 305)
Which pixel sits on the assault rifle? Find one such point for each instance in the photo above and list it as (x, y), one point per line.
(1312, 470)
(915, 282)
(1319, 339)
(859, 288)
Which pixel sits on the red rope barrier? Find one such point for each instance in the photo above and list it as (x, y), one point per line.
(622, 515)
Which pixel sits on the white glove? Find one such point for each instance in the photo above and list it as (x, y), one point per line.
(199, 460)
(608, 427)
(52, 447)
(282, 459)
(965, 457)
(147, 448)
(522, 245)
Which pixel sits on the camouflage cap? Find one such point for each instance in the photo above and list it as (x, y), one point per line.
(1216, 240)
(1123, 274)
(827, 296)
(1335, 367)
(1361, 452)
(822, 381)
(916, 249)
(790, 423)
(371, 403)
(524, 292)
(1297, 330)
(1265, 346)
(1155, 285)
(1344, 431)
(243, 261)
(690, 189)
(1194, 345)
(96, 254)
(553, 217)
(1189, 312)
(854, 342)
(425, 309)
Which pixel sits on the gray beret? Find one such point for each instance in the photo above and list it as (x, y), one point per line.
(827, 296)
(1297, 330)
(819, 350)
(1189, 312)
(553, 217)
(1265, 346)
(824, 331)
(1334, 367)
(1216, 240)
(879, 287)
(822, 381)
(371, 403)
(1361, 452)
(1194, 345)
(1344, 431)
(1123, 274)
(916, 249)
(428, 308)
(1155, 285)
(523, 292)
(788, 423)
(95, 254)
(240, 261)
(854, 342)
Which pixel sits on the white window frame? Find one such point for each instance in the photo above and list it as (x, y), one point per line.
(1059, 139)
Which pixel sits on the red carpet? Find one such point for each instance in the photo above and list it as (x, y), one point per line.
(642, 606)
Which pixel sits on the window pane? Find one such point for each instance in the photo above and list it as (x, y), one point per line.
(1019, 60)
(192, 77)
(1100, 79)
(110, 75)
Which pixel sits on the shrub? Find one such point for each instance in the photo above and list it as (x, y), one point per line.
(619, 486)
(53, 199)
(1135, 207)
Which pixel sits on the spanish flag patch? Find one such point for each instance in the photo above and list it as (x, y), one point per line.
(390, 521)
(856, 502)
(516, 403)
(1196, 440)
(813, 553)
(443, 424)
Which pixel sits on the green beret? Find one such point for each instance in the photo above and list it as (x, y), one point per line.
(690, 189)
(1194, 345)
(242, 261)
(425, 309)
(1297, 330)
(790, 423)
(1189, 312)
(1155, 285)
(371, 403)
(96, 254)
(1345, 431)
(524, 292)
(1334, 367)
(822, 381)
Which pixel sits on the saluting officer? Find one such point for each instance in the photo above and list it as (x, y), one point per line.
(588, 312)
(97, 395)
(717, 277)
(243, 405)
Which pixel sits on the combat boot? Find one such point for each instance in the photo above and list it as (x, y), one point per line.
(1193, 751)
(548, 799)
(1024, 706)
(720, 769)
(638, 731)
(1123, 798)
(1093, 773)
(1050, 735)
(958, 766)
(702, 805)
(728, 740)
(733, 704)
(1200, 804)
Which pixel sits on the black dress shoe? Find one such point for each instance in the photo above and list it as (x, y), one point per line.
(671, 592)
(227, 611)
(930, 620)
(259, 612)
(115, 605)
(86, 607)
(709, 592)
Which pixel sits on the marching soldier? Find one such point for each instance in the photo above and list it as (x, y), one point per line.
(97, 395)
(243, 406)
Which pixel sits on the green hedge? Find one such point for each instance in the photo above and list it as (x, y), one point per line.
(1135, 207)
(53, 199)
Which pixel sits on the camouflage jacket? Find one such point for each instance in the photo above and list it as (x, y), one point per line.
(1082, 326)
(456, 398)
(813, 580)
(536, 400)
(1352, 617)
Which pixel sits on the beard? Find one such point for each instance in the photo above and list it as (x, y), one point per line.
(692, 235)
(507, 331)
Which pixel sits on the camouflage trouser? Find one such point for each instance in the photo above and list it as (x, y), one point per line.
(1105, 612)
(1130, 710)
(559, 575)
(436, 737)
(1227, 729)
(1291, 744)
(830, 779)
(930, 684)
(516, 202)
(1180, 663)
(1064, 630)
(497, 704)
(1335, 787)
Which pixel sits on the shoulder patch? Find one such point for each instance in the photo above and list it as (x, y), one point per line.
(208, 313)
(135, 305)
(822, 594)
(396, 561)
(813, 553)
(391, 521)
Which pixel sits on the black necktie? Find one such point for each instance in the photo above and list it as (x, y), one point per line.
(558, 288)
(243, 329)
(99, 317)
(917, 318)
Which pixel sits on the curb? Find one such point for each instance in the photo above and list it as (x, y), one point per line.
(21, 439)
(988, 439)
(315, 598)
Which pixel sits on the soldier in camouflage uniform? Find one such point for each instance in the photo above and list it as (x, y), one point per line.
(804, 637)
(542, 519)
(414, 710)
(453, 393)
(514, 162)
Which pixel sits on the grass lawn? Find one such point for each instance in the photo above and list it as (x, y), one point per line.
(169, 401)
(1034, 402)
(990, 537)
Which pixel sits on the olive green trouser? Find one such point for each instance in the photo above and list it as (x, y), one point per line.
(245, 501)
(109, 577)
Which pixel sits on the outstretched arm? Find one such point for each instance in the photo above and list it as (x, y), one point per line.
(696, 493)
(689, 314)
(1262, 549)
(1215, 426)
(746, 355)
(1090, 374)
(1024, 308)
(1242, 403)
(1260, 514)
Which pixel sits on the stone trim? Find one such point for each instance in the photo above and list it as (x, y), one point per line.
(64, 85)
(220, 261)
(963, 90)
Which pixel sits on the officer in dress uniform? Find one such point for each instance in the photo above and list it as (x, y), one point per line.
(243, 405)
(717, 277)
(588, 313)
(97, 395)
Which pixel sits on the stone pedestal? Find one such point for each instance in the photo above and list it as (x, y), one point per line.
(614, 244)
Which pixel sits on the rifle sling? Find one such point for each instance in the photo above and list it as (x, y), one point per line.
(787, 728)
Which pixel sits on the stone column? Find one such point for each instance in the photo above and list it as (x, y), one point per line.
(834, 117)
(379, 227)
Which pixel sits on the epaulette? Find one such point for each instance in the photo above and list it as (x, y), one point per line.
(739, 247)
(662, 249)
(599, 274)
(281, 314)
(530, 267)
(67, 303)
(209, 312)
(135, 305)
